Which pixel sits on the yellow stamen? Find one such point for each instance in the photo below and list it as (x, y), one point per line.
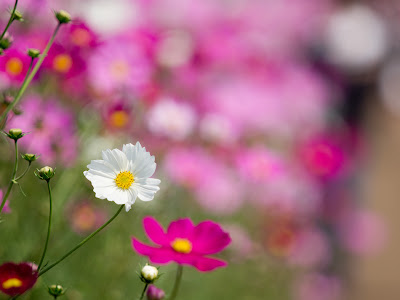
(124, 180)
(81, 37)
(14, 66)
(119, 69)
(119, 118)
(62, 63)
(182, 245)
(12, 283)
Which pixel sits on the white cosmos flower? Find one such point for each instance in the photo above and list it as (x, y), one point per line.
(121, 176)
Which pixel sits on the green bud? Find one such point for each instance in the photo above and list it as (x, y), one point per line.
(56, 290)
(33, 53)
(15, 134)
(6, 41)
(63, 17)
(29, 157)
(45, 173)
(18, 16)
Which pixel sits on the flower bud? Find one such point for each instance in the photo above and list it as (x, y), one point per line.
(154, 293)
(29, 157)
(18, 16)
(56, 290)
(15, 134)
(33, 53)
(63, 17)
(6, 41)
(45, 173)
(149, 273)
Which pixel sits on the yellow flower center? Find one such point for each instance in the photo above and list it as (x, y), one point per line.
(81, 37)
(119, 69)
(12, 283)
(14, 66)
(62, 63)
(119, 119)
(182, 245)
(124, 180)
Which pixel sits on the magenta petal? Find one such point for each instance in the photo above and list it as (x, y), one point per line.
(154, 231)
(209, 238)
(156, 255)
(203, 264)
(182, 228)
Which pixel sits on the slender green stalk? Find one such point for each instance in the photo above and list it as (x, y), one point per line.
(12, 181)
(81, 243)
(177, 282)
(24, 173)
(144, 291)
(49, 226)
(30, 76)
(10, 20)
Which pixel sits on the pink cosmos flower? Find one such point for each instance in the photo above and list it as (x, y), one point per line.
(184, 243)
(14, 64)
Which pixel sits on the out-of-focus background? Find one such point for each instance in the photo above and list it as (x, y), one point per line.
(278, 119)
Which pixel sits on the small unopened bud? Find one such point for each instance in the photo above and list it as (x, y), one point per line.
(45, 173)
(33, 53)
(15, 134)
(149, 274)
(63, 17)
(154, 293)
(18, 16)
(56, 290)
(6, 41)
(29, 157)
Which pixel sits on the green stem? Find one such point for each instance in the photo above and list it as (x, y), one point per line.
(177, 282)
(144, 291)
(81, 243)
(30, 76)
(12, 178)
(49, 226)
(10, 20)
(24, 173)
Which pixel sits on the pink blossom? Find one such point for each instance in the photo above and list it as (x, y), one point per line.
(119, 64)
(14, 64)
(317, 286)
(184, 243)
(84, 217)
(51, 130)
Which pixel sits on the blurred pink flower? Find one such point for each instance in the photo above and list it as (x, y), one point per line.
(64, 62)
(84, 217)
(172, 119)
(315, 286)
(184, 243)
(6, 208)
(51, 130)
(362, 232)
(14, 64)
(119, 64)
(242, 246)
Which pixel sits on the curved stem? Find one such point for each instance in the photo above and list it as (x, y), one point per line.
(49, 226)
(144, 291)
(30, 76)
(12, 178)
(24, 173)
(177, 282)
(10, 20)
(81, 243)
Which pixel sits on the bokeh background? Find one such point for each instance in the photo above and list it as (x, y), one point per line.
(277, 118)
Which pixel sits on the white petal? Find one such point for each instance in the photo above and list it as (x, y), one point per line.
(116, 158)
(147, 190)
(102, 167)
(120, 196)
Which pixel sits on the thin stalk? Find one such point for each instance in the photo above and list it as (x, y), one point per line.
(81, 243)
(177, 282)
(24, 173)
(10, 20)
(49, 226)
(30, 76)
(144, 291)
(10, 185)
